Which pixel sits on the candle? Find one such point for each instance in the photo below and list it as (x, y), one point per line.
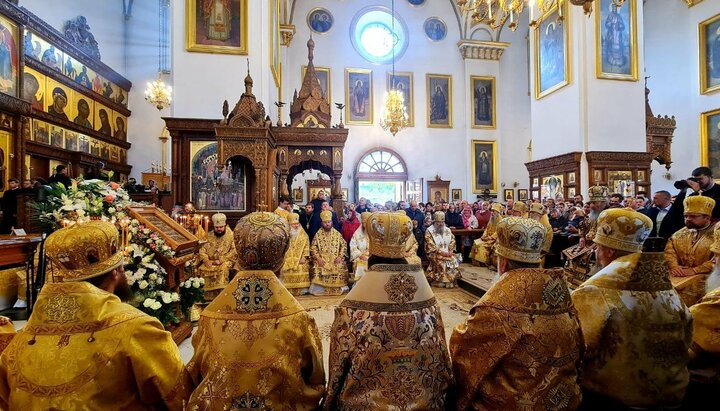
(207, 223)
(531, 5)
(489, 5)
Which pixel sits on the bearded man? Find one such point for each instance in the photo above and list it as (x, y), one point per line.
(637, 330)
(444, 268)
(581, 257)
(217, 257)
(328, 251)
(520, 347)
(359, 252)
(387, 344)
(82, 347)
(295, 273)
(255, 346)
(687, 252)
(483, 246)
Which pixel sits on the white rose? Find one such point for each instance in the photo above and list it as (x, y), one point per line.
(187, 284)
(202, 281)
(159, 280)
(146, 231)
(148, 302)
(156, 305)
(175, 297)
(149, 241)
(143, 284)
(141, 271)
(153, 276)
(111, 210)
(167, 298)
(196, 284)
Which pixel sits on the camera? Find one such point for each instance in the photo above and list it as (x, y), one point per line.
(682, 184)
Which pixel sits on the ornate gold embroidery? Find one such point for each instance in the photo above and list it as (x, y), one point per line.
(402, 388)
(62, 309)
(252, 295)
(249, 333)
(401, 288)
(249, 402)
(388, 307)
(558, 398)
(555, 292)
(400, 326)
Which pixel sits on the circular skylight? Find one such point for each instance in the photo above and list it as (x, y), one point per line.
(371, 33)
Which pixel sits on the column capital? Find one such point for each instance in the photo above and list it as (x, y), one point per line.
(481, 50)
(287, 32)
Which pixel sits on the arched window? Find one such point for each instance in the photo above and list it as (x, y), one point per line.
(380, 176)
(372, 35)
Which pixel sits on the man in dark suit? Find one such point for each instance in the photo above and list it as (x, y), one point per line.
(9, 206)
(661, 207)
(60, 176)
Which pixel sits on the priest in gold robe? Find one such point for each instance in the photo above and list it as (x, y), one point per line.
(687, 252)
(521, 347)
(328, 251)
(387, 344)
(256, 347)
(444, 268)
(359, 252)
(537, 213)
(411, 249)
(483, 246)
(637, 330)
(217, 257)
(295, 273)
(82, 347)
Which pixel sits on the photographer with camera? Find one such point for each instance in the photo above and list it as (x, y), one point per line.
(701, 183)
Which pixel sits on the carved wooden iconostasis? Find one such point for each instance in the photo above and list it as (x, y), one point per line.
(555, 177)
(242, 163)
(59, 104)
(625, 173)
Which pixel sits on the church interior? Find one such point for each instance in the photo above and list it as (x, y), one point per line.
(407, 198)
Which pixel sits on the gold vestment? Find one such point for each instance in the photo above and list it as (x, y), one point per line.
(256, 348)
(387, 345)
(442, 271)
(705, 351)
(296, 276)
(520, 348)
(690, 248)
(216, 249)
(580, 260)
(7, 333)
(411, 247)
(359, 244)
(326, 247)
(84, 349)
(637, 333)
(482, 248)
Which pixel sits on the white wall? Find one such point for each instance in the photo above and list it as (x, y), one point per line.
(671, 58)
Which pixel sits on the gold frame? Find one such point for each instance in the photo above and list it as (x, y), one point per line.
(328, 96)
(520, 192)
(494, 187)
(567, 50)
(14, 29)
(691, 3)
(348, 71)
(190, 33)
(457, 191)
(411, 114)
(274, 26)
(493, 126)
(704, 135)
(307, 20)
(511, 196)
(702, 66)
(633, 76)
(428, 95)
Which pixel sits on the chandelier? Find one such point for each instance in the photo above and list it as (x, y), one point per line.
(158, 93)
(394, 117)
(495, 13)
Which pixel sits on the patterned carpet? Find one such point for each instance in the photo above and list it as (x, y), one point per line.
(454, 304)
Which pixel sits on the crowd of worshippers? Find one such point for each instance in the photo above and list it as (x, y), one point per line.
(624, 339)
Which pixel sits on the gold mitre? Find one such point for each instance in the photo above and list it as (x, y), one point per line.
(536, 208)
(219, 220)
(623, 229)
(715, 247)
(293, 218)
(598, 193)
(84, 251)
(699, 205)
(387, 233)
(497, 207)
(261, 241)
(520, 239)
(439, 217)
(520, 207)
(326, 215)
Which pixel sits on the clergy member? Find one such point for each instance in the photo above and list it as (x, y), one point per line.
(687, 252)
(637, 330)
(83, 348)
(444, 269)
(256, 347)
(387, 344)
(328, 251)
(537, 213)
(581, 257)
(359, 252)
(484, 245)
(217, 257)
(520, 348)
(704, 363)
(295, 273)
(411, 247)
(284, 208)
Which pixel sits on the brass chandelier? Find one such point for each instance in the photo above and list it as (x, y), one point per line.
(495, 13)
(394, 116)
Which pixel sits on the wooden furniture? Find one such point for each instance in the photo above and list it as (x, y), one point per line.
(658, 134)
(624, 173)
(185, 246)
(160, 199)
(545, 175)
(16, 250)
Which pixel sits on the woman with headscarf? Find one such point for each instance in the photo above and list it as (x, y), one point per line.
(469, 222)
